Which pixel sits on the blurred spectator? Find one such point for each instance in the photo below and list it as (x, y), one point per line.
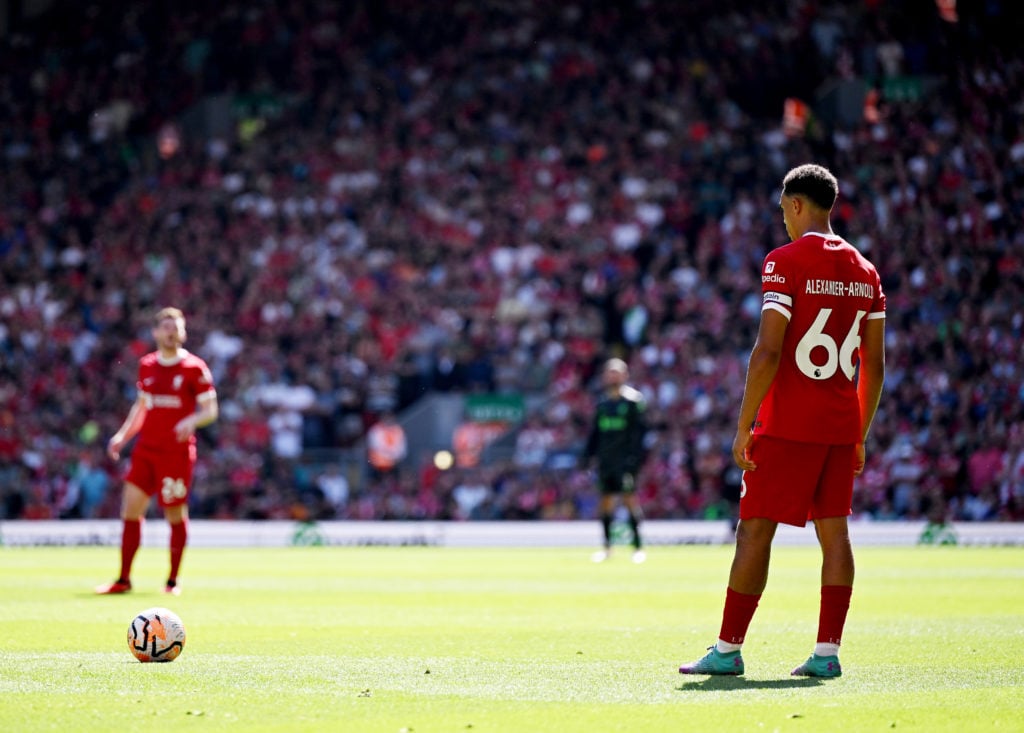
(88, 486)
(335, 489)
(386, 446)
(533, 442)
(471, 496)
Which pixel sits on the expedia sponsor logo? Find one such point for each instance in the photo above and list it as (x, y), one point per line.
(773, 278)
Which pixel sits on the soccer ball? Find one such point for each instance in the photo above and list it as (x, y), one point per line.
(156, 635)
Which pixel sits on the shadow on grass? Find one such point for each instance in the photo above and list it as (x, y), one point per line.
(720, 684)
(134, 593)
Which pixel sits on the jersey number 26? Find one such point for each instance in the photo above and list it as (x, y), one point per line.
(172, 489)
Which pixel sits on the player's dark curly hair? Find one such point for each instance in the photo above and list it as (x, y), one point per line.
(813, 181)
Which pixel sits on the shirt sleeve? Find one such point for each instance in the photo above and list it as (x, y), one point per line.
(203, 381)
(878, 306)
(140, 379)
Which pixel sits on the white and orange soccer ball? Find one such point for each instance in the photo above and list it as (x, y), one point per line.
(156, 635)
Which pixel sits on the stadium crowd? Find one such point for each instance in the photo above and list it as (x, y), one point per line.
(496, 198)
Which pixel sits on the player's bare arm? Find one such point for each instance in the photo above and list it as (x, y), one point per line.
(870, 380)
(764, 363)
(129, 429)
(206, 414)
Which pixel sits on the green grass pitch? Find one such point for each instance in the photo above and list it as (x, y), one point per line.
(441, 639)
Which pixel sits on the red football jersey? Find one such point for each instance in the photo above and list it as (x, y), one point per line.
(171, 391)
(827, 290)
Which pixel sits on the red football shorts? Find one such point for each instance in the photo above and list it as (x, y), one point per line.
(796, 482)
(165, 474)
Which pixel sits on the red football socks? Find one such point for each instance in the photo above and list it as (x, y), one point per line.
(131, 538)
(179, 536)
(835, 602)
(739, 610)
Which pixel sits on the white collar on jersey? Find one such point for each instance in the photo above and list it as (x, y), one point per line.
(182, 353)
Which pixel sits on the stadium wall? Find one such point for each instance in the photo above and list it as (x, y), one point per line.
(209, 533)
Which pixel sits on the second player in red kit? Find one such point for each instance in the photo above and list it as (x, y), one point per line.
(175, 397)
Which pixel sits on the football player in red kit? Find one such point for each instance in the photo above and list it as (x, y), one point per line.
(813, 384)
(175, 397)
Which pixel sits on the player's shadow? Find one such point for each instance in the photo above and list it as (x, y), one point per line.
(725, 683)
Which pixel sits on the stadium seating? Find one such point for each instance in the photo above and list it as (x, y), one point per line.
(357, 208)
